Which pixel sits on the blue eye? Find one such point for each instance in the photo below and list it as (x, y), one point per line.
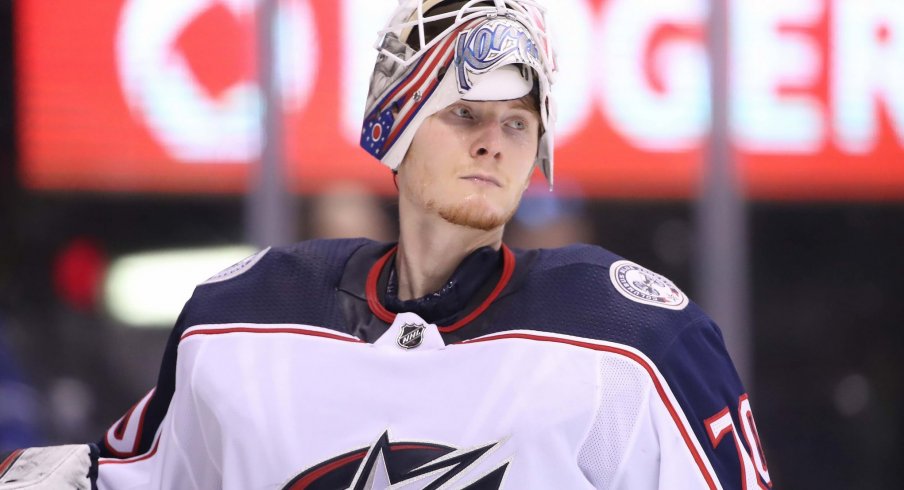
(517, 124)
(461, 111)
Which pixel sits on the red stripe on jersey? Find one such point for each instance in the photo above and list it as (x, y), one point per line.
(406, 447)
(296, 331)
(120, 430)
(370, 288)
(698, 458)
(508, 268)
(123, 425)
(9, 461)
(307, 480)
(380, 311)
(132, 460)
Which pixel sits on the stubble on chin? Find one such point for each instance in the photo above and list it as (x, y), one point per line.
(471, 215)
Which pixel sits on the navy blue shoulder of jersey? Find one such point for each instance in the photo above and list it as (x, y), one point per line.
(569, 291)
(294, 285)
(564, 291)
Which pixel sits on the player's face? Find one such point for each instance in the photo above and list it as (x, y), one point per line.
(470, 162)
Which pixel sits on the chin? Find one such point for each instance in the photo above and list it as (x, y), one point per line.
(475, 213)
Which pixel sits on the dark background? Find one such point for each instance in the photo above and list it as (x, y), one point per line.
(826, 309)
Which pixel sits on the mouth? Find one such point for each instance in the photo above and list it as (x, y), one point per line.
(481, 179)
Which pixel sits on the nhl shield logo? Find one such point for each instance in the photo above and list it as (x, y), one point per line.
(411, 335)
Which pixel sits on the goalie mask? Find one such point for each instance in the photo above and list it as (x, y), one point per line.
(493, 50)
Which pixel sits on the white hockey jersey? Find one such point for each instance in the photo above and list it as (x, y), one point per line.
(555, 369)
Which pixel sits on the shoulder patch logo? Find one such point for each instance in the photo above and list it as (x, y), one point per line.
(642, 285)
(237, 269)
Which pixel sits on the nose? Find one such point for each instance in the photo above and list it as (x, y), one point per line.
(487, 142)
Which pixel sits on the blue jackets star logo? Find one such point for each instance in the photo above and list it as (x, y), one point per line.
(403, 465)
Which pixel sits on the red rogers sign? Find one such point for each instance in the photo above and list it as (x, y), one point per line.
(160, 95)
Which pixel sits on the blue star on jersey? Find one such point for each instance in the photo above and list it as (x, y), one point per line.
(376, 132)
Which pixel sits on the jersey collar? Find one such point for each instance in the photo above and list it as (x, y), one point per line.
(378, 278)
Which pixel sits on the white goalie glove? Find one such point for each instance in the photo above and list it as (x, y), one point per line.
(46, 468)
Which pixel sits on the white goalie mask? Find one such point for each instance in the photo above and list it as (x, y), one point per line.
(493, 50)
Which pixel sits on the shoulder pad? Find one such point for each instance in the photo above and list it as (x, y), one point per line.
(237, 269)
(576, 254)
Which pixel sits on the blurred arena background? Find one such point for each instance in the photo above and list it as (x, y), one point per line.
(131, 145)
